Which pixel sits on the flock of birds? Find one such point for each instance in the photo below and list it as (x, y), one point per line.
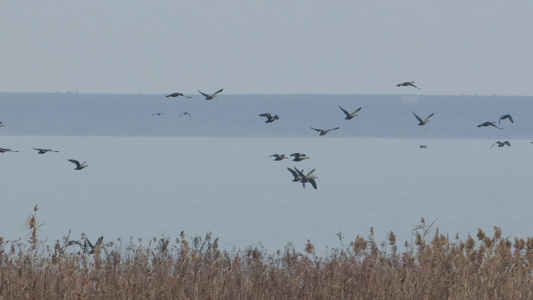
(299, 175)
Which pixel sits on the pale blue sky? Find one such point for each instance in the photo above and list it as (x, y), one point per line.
(288, 47)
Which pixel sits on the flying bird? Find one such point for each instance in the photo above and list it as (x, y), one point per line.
(350, 116)
(209, 97)
(78, 165)
(186, 114)
(486, 124)
(501, 144)
(422, 122)
(423, 146)
(1, 124)
(43, 151)
(506, 117)
(408, 83)
(157, 114)
(174, 95)
(307, 178)
(299, 156)
(269, 117)
(278, 157)
(323, 132)
(4, 150)
(294, 173)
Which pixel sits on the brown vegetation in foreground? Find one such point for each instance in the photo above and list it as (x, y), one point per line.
(434, 267)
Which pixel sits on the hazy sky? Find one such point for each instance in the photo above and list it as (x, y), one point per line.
(449, 47)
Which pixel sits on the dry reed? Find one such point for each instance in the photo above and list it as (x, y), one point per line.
(430, 267)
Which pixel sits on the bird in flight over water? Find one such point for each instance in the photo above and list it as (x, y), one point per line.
(78, 165)
(501, 144)
(486, 124)
(422, 122)
(4, 150)
(212, 96)
(350, 116)
(408, 83)
(174, 95)
(299, 156)
(43, 151)
(269, 117)
(506, 117)
(278, 157)
(324, 131)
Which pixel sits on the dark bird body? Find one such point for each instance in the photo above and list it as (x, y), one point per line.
(269, 117)
(486, 124)
(506, 117)
(78, 165)
(299, 156)
(350, 116)
(212, 96)
(4, 150)
(408, 83)
(324, 131)
(501, 144)
(278, 157)
(422, 122)
(43, 151)
(174, 95)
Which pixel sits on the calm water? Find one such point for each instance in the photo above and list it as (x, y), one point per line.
(152, 187)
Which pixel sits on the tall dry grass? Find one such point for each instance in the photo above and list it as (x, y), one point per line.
(431, 267)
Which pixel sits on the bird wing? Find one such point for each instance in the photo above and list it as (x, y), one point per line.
(217, 92)
(313, 183)
(333, 128)
(429, 116)
(300, 172)
(417, 117)
(205, 95)
(493, 124)
(295, 154)
(316, 129)
(344, 110)
(511, 118)
(310, 173)
(268, 115)
(507, 143)
(357, 110)
(293, 172)
(74, 162)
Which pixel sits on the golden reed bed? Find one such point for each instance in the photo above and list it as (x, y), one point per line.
(432, 267)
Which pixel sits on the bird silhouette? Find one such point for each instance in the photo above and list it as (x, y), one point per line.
(43, 151)
(408, 83)
(506, 117)
(299, 156)
(501, 144)
(486, 124)
(324, 131)
(350, 116)
(307, 178)
(212, 96)
(158, 114)
(4, 150)
(186, 114)
(174, 95)
(78, 165)
(269, 117)
(278, 157)
(423, 122)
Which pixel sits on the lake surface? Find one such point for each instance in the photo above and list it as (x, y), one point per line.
(145, 187)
